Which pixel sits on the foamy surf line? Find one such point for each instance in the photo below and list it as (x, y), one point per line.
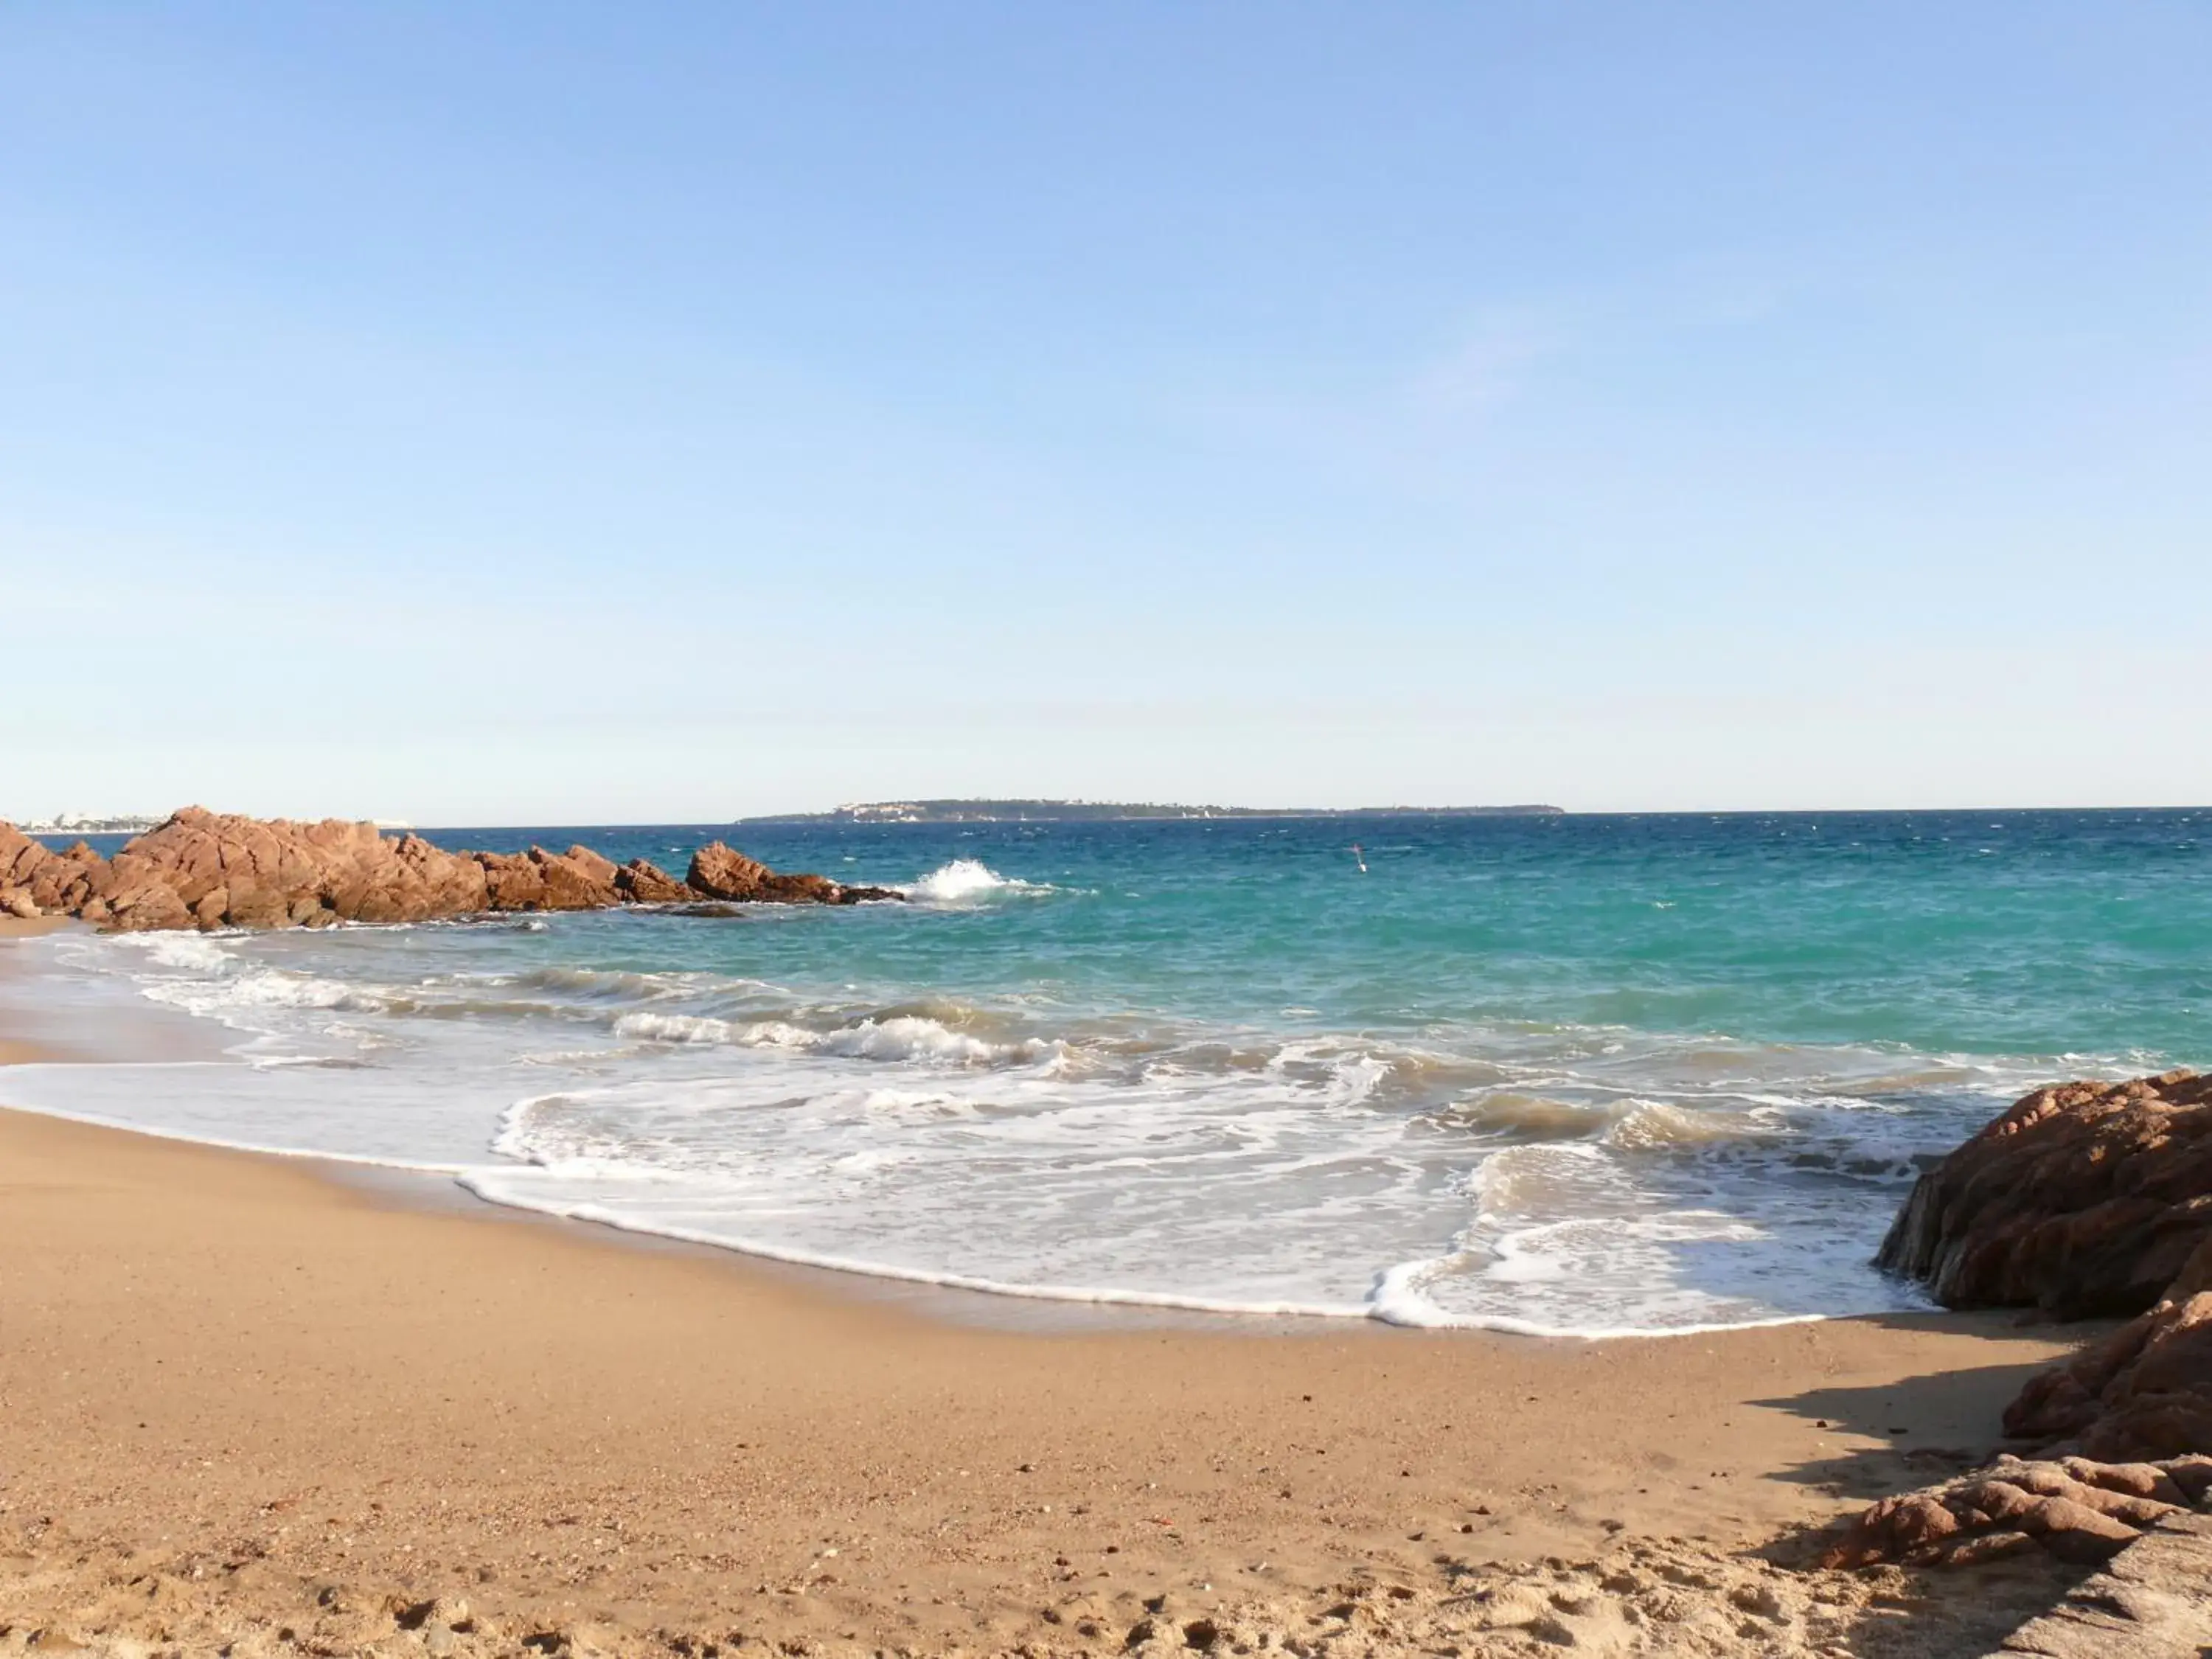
(1394, 1301)
(258, 1149)
(483, 1184)
(1584, 1183)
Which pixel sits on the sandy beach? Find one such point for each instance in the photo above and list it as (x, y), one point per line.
(247, 1402)
(870, 832)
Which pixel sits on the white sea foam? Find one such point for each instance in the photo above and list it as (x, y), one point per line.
(676, 1027)
(1552, 1179)
(964, 883)
(897, 1037)
(187, 950)
(608, 985)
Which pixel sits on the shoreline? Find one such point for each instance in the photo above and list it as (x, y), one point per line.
(293, 1396)
(223, 1361)
(131, 1032)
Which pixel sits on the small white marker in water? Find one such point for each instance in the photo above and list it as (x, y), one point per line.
(1359, 858)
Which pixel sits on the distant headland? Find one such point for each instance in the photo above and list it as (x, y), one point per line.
(1097, 811)
(93, 823)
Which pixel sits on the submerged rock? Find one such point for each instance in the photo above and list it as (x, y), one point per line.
(206, 870)
(722, 873)
(643, 882)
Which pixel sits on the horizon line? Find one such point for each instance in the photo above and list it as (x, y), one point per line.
(769, 819)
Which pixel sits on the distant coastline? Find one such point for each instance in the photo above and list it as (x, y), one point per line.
(92, 824)
(1089, 811)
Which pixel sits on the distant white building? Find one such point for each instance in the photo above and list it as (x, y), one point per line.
(92, 823)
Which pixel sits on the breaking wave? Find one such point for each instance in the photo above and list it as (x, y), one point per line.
(967, 882)
(892, 1038)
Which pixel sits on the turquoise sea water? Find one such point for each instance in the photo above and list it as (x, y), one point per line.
(1586, 1075)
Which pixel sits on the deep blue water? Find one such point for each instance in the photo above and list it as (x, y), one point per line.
(2034, 933)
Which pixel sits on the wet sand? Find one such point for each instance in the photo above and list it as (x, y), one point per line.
(16, 1048)
(243, 1402)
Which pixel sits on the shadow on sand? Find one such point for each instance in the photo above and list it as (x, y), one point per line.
(1920, 1431)
(1915, 1430)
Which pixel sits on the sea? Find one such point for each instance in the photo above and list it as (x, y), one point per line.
(1581, 1075)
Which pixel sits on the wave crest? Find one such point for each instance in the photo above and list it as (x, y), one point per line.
(899, 1037)
(966, 882)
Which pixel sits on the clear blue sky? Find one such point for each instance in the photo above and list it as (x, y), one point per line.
(547, 412)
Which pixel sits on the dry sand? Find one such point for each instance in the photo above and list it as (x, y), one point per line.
(245, 1406)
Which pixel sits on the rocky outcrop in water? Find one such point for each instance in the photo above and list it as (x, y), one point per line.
(2084, 1199)
(643, 882)
(206, 870)
(722, 873)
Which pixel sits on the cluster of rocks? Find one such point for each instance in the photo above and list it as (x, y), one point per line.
(206, 870)
(2084, 1199)
(2144, 1391)
(2077, 1508)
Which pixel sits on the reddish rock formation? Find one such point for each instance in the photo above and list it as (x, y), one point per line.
(2143, 1392)
(2076, 1509)
(722, 873)
(202, 869)
(645, 883)
(2195, 1276)
(578, 879)
(34, 880)
(2087, 1199)
(2084, 1199)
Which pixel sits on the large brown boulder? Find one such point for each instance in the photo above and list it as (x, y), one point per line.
(513, 881)
(2143, 1392)
(18, 856)
(34, 878)
(723, 873)
(599, 871)
(452, 884)
(52, 881)
(578, 879)
(145, 906)
(643, 882)
(2084, 1199)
